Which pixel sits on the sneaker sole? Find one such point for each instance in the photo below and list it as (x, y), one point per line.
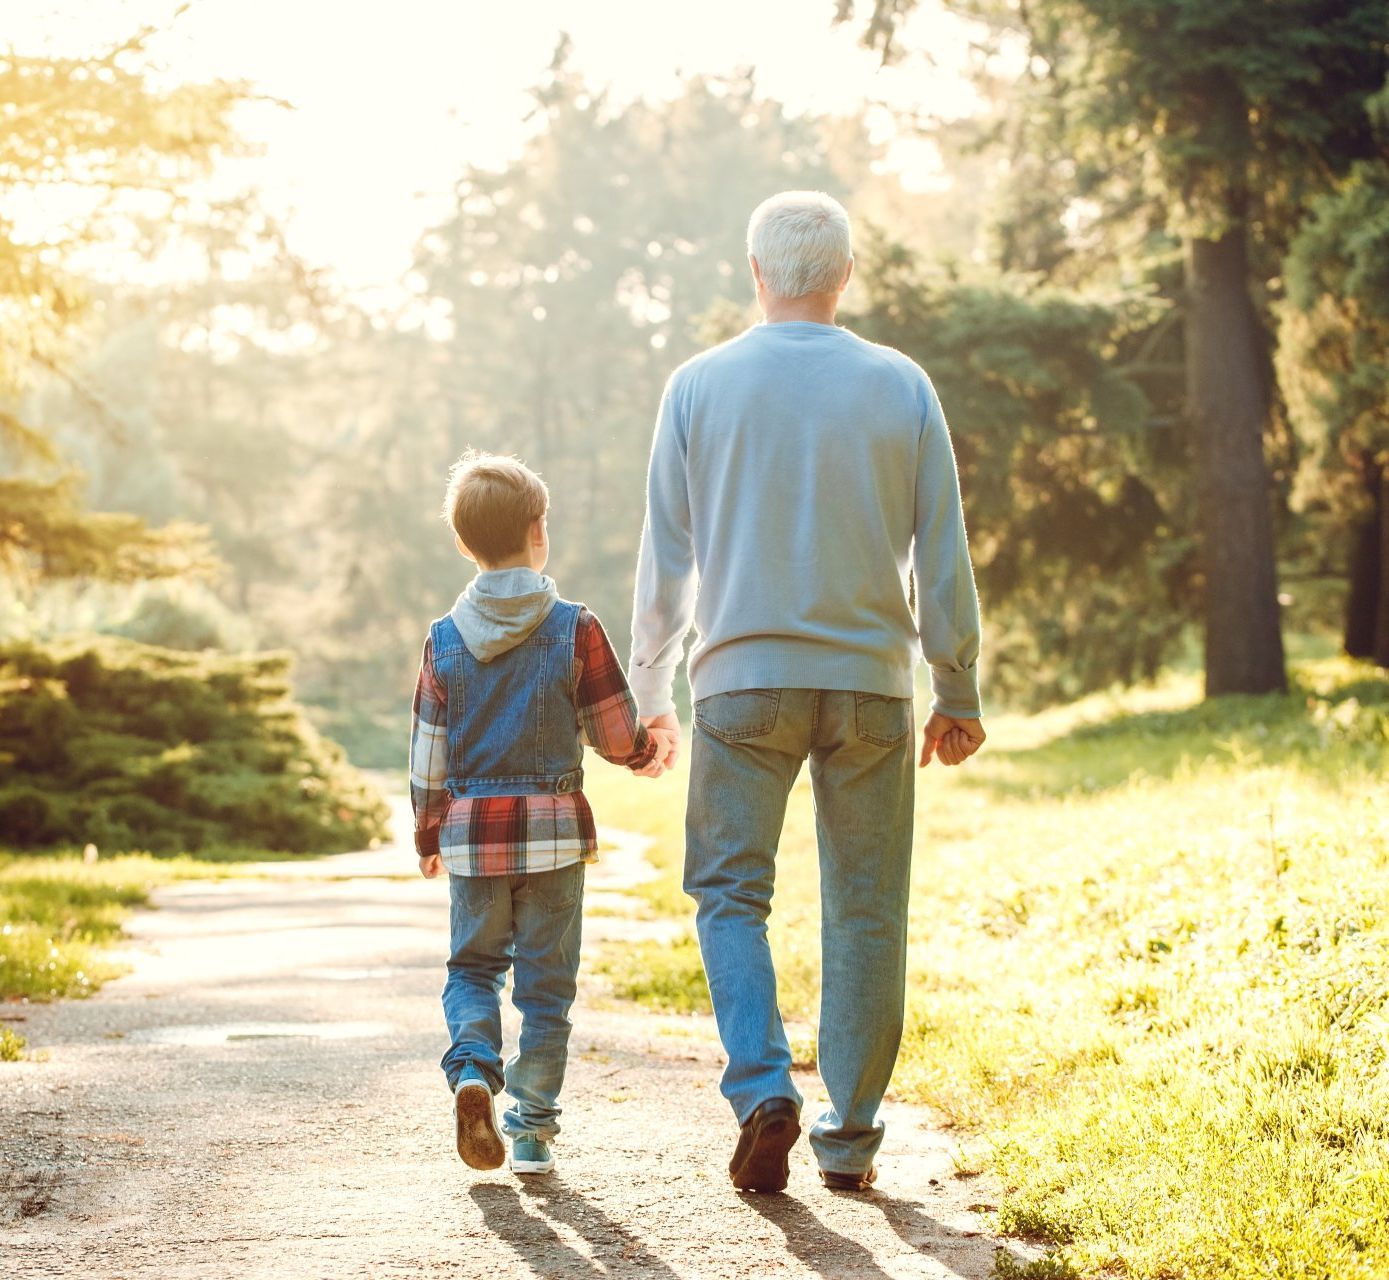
(480, 1146)
(532, 1166)
(765, 1167)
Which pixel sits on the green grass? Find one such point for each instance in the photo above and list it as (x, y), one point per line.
(1150, 958)
(60, 914)
(660, 975)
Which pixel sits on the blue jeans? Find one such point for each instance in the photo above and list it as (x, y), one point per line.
(530, 924)
(747, 751)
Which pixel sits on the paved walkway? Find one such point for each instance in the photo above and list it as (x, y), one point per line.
(259, 1098)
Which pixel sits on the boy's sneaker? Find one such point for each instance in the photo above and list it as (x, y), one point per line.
(530, 1155)
(475, 1121)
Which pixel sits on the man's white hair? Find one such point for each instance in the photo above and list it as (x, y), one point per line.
(801, 242)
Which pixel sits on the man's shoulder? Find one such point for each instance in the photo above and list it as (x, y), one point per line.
(729, 351)
(890, 357)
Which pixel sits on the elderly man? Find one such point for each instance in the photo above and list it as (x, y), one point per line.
(797, 474)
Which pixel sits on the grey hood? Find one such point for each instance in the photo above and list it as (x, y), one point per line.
(500, 608)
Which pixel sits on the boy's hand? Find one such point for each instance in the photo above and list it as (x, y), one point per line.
(665, 745)
(431, 865)
(668, 726)
(952, 740)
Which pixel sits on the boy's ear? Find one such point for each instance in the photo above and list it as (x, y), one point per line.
(537, 534)
(463, 549)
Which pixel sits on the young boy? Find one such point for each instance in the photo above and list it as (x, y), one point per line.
(513, 682)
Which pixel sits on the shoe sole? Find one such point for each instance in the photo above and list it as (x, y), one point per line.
(532, 1166)
(480, 1146)
(765, 1167)
(849, 1182)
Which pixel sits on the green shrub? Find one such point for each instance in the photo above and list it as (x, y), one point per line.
(181, 615)
(130, 746)
(26, 816)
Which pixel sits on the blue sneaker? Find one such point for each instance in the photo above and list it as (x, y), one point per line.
(475, 1121)
(530, 1155)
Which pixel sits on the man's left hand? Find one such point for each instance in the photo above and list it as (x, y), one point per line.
(949, 739)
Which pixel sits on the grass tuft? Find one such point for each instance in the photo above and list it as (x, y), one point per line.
(665, 976)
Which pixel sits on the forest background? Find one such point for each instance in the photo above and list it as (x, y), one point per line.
(275, 440)
(1142, 248)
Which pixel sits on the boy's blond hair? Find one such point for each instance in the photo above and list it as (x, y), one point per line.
(491, 503)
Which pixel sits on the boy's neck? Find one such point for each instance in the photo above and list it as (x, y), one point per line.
(515, 562)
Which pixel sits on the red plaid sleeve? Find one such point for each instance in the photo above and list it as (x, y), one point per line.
(607, 710)
(429, 748)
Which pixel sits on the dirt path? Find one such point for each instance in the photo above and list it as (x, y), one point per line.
(260, 1098)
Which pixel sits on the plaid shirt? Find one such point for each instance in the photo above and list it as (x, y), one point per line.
(515, 835)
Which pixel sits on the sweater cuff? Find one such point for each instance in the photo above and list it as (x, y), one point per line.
(955, 693)
(427, 842)
(652, 687)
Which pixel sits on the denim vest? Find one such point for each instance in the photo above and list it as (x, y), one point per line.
(513, 727)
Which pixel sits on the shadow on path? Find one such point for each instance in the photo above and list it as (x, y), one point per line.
(535, 1241)
(821, 1250)
(930, 1236)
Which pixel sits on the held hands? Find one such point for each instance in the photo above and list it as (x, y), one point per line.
(666, 729)
(431, 865)
(667, 751)
(952, 741)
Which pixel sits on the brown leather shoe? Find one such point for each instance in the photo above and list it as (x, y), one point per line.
(849, 1181)
(759, 1161)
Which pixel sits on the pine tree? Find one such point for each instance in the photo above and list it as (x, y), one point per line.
(1239, 112)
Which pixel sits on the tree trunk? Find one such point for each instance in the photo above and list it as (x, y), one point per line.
(1366, 570)
(1228, 397)
(1381, 649)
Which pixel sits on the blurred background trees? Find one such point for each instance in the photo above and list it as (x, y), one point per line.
(1152, 287)
(116, 742)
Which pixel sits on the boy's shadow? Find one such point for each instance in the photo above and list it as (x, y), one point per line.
(536, 1242)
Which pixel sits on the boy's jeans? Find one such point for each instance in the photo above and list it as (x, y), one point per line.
(747, 750)
(530, 924)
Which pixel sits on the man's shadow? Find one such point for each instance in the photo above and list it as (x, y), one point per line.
(833, 1255)
(536, 1242)
(818, 1248)
(930, 1236)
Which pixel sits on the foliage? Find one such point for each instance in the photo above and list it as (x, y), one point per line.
(11, 1045)
(1078, 514)
(548, 305)
(1149, 955)
(104, 132)
(180, 615)
(1334, 334)
(45, 534)
(1334, 355)
(1228, 103)
(129, 746)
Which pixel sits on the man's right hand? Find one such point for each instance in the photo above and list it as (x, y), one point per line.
(952, 740)
(669, 723)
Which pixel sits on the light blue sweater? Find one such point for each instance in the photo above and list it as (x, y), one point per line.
(797, 472)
